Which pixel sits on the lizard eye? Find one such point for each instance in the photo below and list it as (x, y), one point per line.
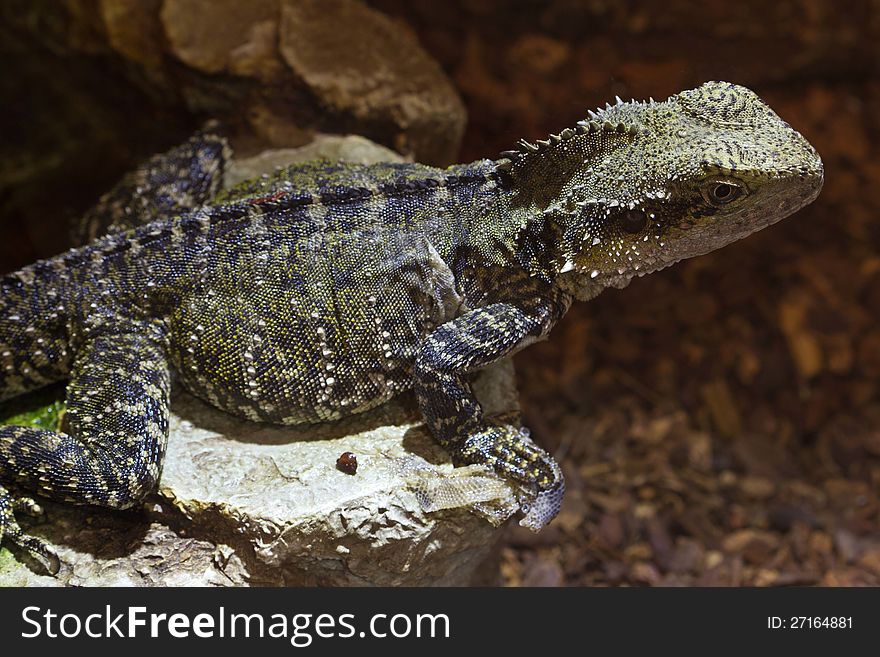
(633, 221)
(723, 193)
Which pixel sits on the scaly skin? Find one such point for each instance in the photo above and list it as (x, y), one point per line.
(327, 289)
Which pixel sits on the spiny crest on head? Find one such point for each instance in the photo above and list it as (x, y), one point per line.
(613, 119)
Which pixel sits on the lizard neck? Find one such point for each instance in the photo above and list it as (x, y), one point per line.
(500, 241)
(507, 230)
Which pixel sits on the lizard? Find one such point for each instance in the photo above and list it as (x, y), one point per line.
(328, 288)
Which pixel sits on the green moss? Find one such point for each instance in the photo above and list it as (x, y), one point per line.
(40, 409)
(12, 571)
(7, 560)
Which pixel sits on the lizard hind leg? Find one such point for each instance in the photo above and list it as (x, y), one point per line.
(166, 185)
(118, 405)
(10, 530)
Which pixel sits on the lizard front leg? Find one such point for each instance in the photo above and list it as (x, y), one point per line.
(118, 407)
(470, 342)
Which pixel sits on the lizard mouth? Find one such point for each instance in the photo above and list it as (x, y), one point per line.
(773, 200)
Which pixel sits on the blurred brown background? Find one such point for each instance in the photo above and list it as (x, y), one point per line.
(719, 422)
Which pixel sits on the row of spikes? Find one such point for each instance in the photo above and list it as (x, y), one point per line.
(595, 124)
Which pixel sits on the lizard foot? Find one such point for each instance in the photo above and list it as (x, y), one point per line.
(10, 530)
(28, 506)
(512, 453)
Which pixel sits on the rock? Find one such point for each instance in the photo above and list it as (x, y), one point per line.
(105, 548)
(300, 63)
(643, 572)
(757, 487)
(241, 503)
(133, 30)
(359, 62)
(305, 522)
(722, 408)
(755, 546)
(348, 148)
(847, 545)
(542, 572)
(538, 54)
(802, 342)
(687, 556)
(224, 36)
(869, 348)
(871, 561)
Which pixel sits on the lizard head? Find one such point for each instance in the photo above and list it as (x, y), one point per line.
(640, 186)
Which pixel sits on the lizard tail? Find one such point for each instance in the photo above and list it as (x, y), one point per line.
(33, 330)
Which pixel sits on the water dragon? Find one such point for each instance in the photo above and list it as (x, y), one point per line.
(328, 288)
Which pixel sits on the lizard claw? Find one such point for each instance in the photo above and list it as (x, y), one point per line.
(10, 530)
(512, 453)
(547, 502)
(27, 505)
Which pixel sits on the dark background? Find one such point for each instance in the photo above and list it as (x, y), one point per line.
(718, 422)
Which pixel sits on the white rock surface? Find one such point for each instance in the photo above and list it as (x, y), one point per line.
(348, 148)
(241, 503)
